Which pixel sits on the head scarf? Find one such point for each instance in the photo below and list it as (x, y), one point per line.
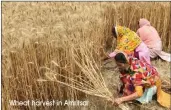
(127, 40)
(144, 22)
(121, 30)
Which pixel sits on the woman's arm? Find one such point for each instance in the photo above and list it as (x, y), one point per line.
(130, 97)
(138, 93)
(111, 55)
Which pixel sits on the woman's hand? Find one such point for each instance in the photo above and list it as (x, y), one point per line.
(117, 101)
(117, 51)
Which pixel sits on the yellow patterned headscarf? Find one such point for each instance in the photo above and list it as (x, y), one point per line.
(127, 40)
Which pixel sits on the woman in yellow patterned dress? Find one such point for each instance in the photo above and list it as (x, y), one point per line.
(129, 42)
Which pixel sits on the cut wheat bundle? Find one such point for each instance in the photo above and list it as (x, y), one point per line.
(90, 79)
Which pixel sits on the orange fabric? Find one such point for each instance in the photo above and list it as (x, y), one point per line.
(139, 90)
(162, 97)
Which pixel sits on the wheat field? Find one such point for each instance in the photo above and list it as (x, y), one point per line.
(68, 39)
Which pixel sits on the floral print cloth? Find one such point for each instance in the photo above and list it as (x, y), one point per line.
(140, 73)
(127, 40)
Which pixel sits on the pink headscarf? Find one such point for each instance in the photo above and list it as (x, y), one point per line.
(144, 22)
(148, 33)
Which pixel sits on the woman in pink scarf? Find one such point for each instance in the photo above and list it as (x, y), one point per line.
(151, 38)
